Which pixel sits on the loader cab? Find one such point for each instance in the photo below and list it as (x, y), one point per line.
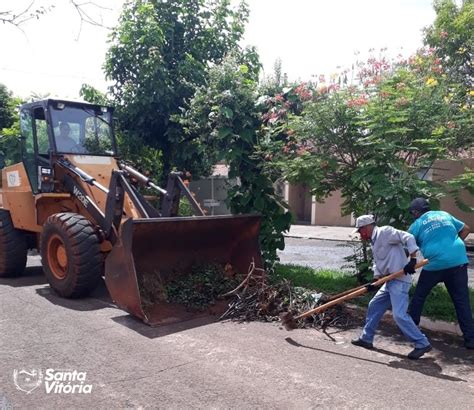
(52, 128)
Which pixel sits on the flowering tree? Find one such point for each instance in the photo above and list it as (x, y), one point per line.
(374, 137)
(450, 37)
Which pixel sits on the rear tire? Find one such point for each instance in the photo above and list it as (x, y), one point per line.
(70, 252)
(13, 247)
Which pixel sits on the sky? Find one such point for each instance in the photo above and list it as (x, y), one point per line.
(54, 55)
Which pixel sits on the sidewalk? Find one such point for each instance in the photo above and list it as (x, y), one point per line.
(341, 233)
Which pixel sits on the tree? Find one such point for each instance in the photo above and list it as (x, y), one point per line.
(9, 126)
(225, 116)
(452, 41)
(85, 10)
(374, 139)
(6, 109)
(159, 53)
(451, 37)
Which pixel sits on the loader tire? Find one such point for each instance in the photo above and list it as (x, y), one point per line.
(13, 247)
(70, 252)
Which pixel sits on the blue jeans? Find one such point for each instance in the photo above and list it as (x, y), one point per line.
(455, 280)
(393, 293)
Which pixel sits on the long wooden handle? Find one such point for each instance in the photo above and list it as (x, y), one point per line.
(346, 292)
(358, 292)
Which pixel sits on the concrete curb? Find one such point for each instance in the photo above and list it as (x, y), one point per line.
(426, 323)
(440, 326)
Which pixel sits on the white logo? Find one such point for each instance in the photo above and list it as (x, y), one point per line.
(58, 381)
(27, 381)
(13, 179)
(55, 381)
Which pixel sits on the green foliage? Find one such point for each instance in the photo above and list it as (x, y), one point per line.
(185, 208)
(438, 305)
(373, 140)
(92, 95)
(146, 159)
(201, 287)
(223, 113)
(10, 144)
(159, 53)
(451, 37)
(326, 280)
(9, 127)
(360, 260)
(7, 114)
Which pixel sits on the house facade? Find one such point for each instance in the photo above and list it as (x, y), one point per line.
(306, 210)
(211, 193)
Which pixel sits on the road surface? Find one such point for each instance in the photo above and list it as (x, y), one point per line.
(322, 254)
(119, 362)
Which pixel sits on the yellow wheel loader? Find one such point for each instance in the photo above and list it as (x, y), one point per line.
(85, 211)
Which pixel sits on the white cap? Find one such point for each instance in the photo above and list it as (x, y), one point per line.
(364, 220)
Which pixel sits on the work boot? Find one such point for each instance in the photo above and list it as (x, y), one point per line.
(362, 343)
(418, 352)
(469, 344)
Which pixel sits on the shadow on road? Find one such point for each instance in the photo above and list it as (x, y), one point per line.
(98, 299)
(426, 366)
(138, 326)
(448, 349)
(33, 275)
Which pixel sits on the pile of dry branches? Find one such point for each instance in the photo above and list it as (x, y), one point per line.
(255, 299)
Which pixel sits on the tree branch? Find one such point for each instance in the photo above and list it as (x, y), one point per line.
(18, 19)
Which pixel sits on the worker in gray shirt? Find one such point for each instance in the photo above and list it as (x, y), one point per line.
(388, 251)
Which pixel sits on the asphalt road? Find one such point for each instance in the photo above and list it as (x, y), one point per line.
(322, 254)
(207, 364)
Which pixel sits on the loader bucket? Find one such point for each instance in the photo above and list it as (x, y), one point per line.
(164, 248)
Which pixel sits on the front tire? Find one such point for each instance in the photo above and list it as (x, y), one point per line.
(70, 252)
(13, 247)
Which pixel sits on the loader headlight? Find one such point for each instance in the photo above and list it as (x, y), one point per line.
(46, 174)
(46, 179)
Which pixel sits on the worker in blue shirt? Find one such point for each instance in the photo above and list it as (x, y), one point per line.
(440, 237)
(388, 249)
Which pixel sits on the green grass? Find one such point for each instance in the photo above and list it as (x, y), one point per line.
(438, 305)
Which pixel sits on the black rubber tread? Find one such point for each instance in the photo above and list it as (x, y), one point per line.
(85, 261)
(13, 247)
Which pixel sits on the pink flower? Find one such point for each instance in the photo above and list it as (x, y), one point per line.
(358, 102)
(279, 98)
(304, 93)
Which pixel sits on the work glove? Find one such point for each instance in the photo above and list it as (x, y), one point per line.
(370, 287)
(409, 268)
